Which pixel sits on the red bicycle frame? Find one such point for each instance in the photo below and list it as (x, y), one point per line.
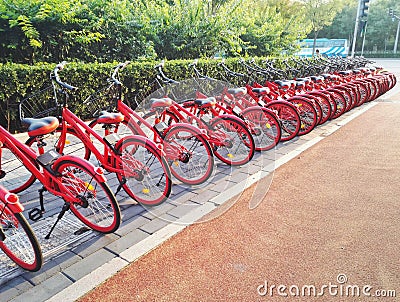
(49, 180)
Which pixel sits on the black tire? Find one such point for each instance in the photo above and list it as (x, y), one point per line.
(264, 127)
(20, 243)
(95, 204)
(151, 183)
(235, 143)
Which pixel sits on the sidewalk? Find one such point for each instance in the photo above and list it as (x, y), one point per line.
(329, 217)
(273, 230)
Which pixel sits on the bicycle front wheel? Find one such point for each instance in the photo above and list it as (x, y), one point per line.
(18, 241)
(146, 176)
(95, 204)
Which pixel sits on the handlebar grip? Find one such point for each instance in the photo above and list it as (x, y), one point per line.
(58, 68)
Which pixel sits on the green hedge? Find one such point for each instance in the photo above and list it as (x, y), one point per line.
(17, 82)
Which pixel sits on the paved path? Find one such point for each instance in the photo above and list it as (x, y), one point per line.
(287, 235)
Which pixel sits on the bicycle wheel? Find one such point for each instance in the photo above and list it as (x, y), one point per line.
(189, 154)
(264, 127)
(14, 175)
(307, 112)
(95, 205)
(340, 101)
(288, 117)
(18, 241)
(325, 104)
(146, 176)
(234, 144)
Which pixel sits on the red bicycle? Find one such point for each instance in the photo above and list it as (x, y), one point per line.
(187, 150)
(262, 122)
(17, 240)
(79, 183)
(138, 163)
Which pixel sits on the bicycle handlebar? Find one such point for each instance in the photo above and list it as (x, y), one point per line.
(119, 67)
(58, 68)
(164, 78)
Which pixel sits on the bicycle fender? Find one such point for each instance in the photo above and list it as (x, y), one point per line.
(97, 171)
(146, 141)
(12, 201)
(227, 116)
(188, 126)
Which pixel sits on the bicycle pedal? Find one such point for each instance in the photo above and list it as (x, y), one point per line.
(35, 214)
(81, 231)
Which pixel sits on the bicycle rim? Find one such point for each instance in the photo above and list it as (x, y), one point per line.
(264, 127)
(146, 176)
(288, 117)
(235, 143)
(20, 243)
(189, 154)
(95, 205)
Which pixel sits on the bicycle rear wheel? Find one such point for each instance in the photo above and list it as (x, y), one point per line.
(18, 241)
(288, 117)
(234, 142)
(264, 127)
(146, 176)
(189, 153)
(95, 204)
(14, 175)
(307, 112)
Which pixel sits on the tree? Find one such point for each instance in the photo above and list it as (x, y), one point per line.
(320, 13)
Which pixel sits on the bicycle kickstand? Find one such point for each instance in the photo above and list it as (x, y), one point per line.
(122, 182)
(64, 209)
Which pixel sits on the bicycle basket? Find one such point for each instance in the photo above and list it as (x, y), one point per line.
(99, 101)
(39, 104)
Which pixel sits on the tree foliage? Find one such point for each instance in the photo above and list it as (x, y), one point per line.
(107, 30)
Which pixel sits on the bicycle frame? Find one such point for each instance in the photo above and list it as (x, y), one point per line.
(46, 176)
(131, 117)
(215, 139)
(107, 158)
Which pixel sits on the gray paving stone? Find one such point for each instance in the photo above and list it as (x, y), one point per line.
(88, 264)
(52, 267)
(132, 224)
(45, 290)
(130, 210)
(182, 198)
(183, 209)
(14, 288)
(126, 241)
(157, 223)
(201, 198)
(152, 212)
(94, 244)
